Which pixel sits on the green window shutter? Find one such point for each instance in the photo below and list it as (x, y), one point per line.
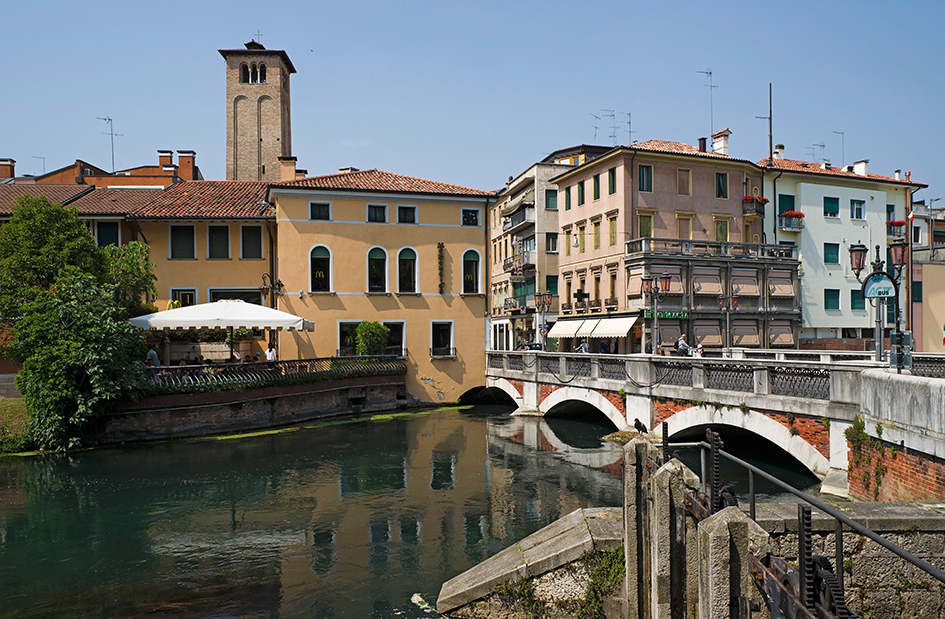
(890, 212)
(917, 292)
(611, 181)
(551, 284)
(551, 200)
(831, 253)
(580, 196)
(567, 198)
(831, 207)
(597, 186)
(785, 203)
(857, 302)
(831, 299)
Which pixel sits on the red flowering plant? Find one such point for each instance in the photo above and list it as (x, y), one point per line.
(793, 214)
(896, 222)
(758, 199)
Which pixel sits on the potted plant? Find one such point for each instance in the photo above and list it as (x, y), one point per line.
(896, 227)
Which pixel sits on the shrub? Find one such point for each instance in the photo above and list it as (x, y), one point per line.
(371, 338)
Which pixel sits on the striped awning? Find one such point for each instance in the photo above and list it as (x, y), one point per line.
(614, 327)
(565, 328)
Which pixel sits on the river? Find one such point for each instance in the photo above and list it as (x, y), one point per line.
(355, 518)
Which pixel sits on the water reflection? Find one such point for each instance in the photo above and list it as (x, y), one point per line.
(333, 520)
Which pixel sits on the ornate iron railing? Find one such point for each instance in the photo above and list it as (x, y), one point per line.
(931, 367)
(222, 376)
(549, 365)
(712, 248)
(730, 377)
(495, 362)
(612, 369)
(674, 373)
(515, 363)
(579, 366)
(801, 382)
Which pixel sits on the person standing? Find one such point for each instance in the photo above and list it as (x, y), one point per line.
(270, 353)
(153, 357)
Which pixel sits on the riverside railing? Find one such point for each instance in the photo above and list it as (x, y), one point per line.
(226, 376)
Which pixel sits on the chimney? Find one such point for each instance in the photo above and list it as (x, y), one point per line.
(702, 142)
(908, 174)
(300, 174)
(347, 170)
(859, 167)
(7, 167)
(897, 174)
(779, 151)
(720, 141)
(286, 169)
(186, 164)
(165, 158)
(826, 165)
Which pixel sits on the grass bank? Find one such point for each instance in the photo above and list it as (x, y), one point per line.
(12, 424)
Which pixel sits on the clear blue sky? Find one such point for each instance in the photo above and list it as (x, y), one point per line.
(474, 92)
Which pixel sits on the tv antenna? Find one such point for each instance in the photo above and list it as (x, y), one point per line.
(630, 130)
(613, 124)
(111, 132)
(843, 155)
(770, 135)
(711, 87)
(44, 163)
(595, 126)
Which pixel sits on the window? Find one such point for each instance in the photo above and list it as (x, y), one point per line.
(319, 211)
(646, 178)
(406, 214)
(596, 235)
(551, 284)
(470, 217)
(597, 186)
(246, 295)
(551, 200)
(831, 207)
(185, 296)
(917, 235)
(377, 213)
(551, 242)
(346, 338)
(612, 225)
(441, 339)
(567, 243)
(831, 299)
(785, 203)
(407, 270)
(107, 233)
(683, 227)
(683, 182)
(244, 74)
(580, 189)
(831, 253)
(721, 230)
(613, 284)
(721, 185)
(567, 198)
(581, 233)
(917, 292)
(890, 212)
(645, 225)
(528, 243)
(471, 272)
(395, 338)
(856, 209)
(597, 286)
(857, 302)
(183, 245)
(218, 242)
(321, 269)
(251, 247)
(611, 181)
(377, 270)
(262, 74)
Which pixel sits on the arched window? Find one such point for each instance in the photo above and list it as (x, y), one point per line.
(407, 270)
(262, 74)
(244, 74)
(470, 272)
(321, 269)
(254, 75)
(377, 270)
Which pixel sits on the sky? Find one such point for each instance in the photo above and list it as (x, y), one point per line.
(472, 93)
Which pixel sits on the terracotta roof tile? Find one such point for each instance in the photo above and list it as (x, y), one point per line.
(208, 200)
(57, 194)
(115, 201)
(810, 167)
(678, 148)
(378, 180)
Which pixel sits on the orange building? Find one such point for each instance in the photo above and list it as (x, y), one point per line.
(159, 176)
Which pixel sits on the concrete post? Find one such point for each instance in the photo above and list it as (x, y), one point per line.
(673, 540)
(698, 376)
(761, 381)
(725, 540)
(636, 483)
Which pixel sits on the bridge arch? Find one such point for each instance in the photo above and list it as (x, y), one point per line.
(756, 423)
(587, 396)
(506, 386)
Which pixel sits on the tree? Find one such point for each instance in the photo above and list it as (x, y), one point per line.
(371, 338)
(127, 267)
(41, 241)
(79, 356)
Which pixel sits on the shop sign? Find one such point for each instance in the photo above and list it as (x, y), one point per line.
(668, 315)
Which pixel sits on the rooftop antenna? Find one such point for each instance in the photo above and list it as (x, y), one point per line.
(843, 155)
(613, 124)
(44, 163)
(595, 126)
(111, 132)
(821, 147)
(630, 130)
(711, 87)
(770, 138)
(812, 150)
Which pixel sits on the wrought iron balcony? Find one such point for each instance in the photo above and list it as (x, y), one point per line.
(566, 308)
(790, 224)
(753, 208)
(686, 247)
(594, 304)
(610, 303)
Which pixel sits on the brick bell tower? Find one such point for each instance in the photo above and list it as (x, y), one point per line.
(258, 120)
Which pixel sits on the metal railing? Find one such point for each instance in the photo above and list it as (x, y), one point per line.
(220, 376)
(709, 248)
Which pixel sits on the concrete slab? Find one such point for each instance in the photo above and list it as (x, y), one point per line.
(569, 546)
(606, 526)
(481, 579)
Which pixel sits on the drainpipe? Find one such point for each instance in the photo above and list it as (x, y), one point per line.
(487, 281)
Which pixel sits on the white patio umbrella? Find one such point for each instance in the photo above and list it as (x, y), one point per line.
(227, 314)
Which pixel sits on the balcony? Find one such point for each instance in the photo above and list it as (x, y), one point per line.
(520, 219)
(594, 305)
(511, 303)
(580, 306)
(685, 247)
(790, 224)
(753, 208)
(526, 259)
(896, 229)
(611, 303)
(566, 308)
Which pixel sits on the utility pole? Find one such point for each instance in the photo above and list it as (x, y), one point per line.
(711, 87)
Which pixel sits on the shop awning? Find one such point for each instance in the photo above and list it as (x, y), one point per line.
(587, 328)
(614, 327)
(565, 328)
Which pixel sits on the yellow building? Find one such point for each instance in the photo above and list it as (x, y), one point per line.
(406, 252)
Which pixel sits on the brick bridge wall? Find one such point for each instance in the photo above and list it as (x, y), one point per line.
(881, 471)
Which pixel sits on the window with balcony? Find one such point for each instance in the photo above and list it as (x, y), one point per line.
(785, 203)
(857, 208)
(645, 176)
(611, 181)
(721, 185)
(528, 243)
(645, 225)
(581, 233)
(831, 207)
(721, 230)
(890, 212)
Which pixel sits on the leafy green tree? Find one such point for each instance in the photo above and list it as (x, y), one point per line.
(41, 241)
(371, 338)
(79, 356)
(128, 269)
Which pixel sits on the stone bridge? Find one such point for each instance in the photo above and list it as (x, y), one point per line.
(802, 401)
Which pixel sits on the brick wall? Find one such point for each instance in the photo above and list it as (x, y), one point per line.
(881, 471)
(517, 384)
(664, 409)
(811, 429)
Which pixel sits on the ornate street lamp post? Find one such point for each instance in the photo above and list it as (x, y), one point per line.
(543, 301)
(878, 284)
(728, 305)
(656, 288)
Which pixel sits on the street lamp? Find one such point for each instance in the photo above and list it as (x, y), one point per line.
(728, 305)
(878, 285)
(656, 288)
(543, 302)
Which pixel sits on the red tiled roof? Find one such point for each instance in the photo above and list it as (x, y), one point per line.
(207, 200)
(115, 201)
(57, 194)
(378, 180)
(810, 167)
(678, 148)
